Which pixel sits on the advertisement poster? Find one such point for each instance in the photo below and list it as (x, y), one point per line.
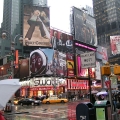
(84, 27)
(101, 54)
(97, 71)
(100, 113)
(81, 72)
(70, 64)
(41, 62)
(61, 41)
(115, 44)
(59, 63)
(36, 26)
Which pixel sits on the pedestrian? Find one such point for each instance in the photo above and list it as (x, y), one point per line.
(93, 99)
(114, 101)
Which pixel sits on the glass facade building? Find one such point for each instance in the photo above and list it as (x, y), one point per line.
(13, 23)
(107, 15)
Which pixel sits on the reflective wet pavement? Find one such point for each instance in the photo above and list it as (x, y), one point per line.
(60, 111)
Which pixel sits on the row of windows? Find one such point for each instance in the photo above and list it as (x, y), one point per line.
(107, 27)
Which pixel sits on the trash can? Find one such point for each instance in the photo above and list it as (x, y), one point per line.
(85, 111)
(103, 110)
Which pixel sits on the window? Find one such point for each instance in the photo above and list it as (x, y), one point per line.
(113, 25)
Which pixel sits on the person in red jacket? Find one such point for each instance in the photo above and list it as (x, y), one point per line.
(1, 116)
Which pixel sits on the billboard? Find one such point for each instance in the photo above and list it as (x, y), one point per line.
(101, 54)
(97, 71)
(115, 44)
(23, 69)
(70, 64)
(59, 63)
(36, 26)
(61, 41)
(84, 27)
(41, 62)
(83, 72)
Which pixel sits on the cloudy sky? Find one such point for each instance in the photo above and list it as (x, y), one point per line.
(60, 9)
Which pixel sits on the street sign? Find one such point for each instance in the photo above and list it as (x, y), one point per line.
(88, 60)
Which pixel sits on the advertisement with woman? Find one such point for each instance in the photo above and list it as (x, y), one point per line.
(115, 44)
(36, 26)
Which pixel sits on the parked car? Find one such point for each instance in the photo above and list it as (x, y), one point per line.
(29, 101)
(54, 99)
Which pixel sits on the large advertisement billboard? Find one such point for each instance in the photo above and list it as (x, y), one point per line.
(115, 44)
(84, 27)
(61, 41)
(36, 26)
(101, 54)
(59, 63)
(70, 65)
(41, 62)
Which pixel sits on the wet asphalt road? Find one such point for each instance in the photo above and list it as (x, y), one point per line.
(59, 111)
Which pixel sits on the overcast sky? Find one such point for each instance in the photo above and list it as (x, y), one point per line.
(57, 6)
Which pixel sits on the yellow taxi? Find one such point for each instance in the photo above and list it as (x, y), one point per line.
(16, 101)
(54, 99)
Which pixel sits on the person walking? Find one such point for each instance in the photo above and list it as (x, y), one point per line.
(114, 101)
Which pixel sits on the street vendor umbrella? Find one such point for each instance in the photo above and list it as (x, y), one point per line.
(102, 93)
(8, 88)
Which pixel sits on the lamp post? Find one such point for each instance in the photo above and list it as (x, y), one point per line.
(12, 48)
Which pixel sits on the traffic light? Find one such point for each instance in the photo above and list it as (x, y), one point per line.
(105, 70)
(116, 69)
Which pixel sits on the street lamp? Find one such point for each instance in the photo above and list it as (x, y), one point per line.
(12, 45)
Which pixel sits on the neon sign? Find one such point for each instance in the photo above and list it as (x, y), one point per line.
(84, 46)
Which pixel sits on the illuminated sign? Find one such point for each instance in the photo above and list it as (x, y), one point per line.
(84, 46)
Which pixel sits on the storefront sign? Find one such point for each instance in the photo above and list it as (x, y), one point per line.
(88, 60)
(41, 81)
(77, 84)
(43, 88)
(84, 46)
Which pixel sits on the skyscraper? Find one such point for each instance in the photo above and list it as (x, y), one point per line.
(89, 10)
(107, 15)
(13, 22)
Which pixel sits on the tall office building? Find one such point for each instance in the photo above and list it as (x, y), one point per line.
(89, 10)
(107, 15)
(13, 22)
(40, 2)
